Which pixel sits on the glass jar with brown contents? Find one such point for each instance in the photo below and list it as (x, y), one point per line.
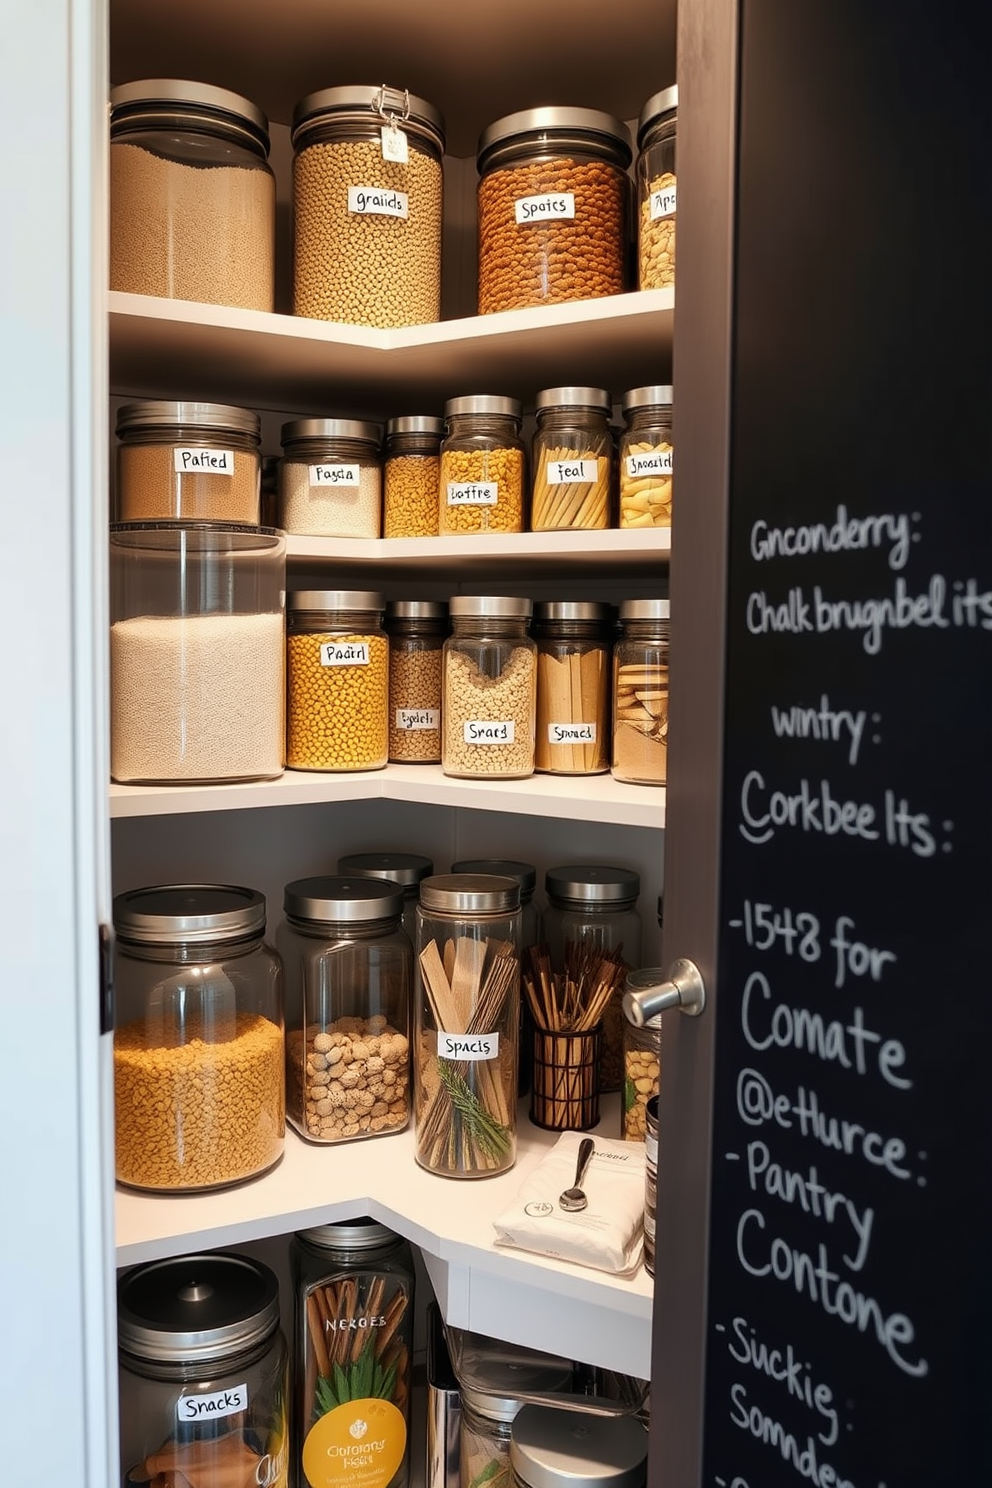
(573, 671)
(412, 473)
(195, 462)
(640, 693)
(417, 629)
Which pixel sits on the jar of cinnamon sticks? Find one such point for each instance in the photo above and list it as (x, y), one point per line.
(573, 677)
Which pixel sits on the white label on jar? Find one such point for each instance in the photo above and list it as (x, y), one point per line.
(660, 462)
(344, 653)
(564, 472)
(468, 1046)
(335, 475)
(416, 719)
(473, 493)
(663, 202)
(378, 201)
(651, 1148)
(214, 461)
(485, 731)
(571, 733)
(554, 205)
(229, 1402)
(394, 144)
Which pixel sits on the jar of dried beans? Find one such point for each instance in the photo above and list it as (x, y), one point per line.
(402, 868)
(330, 478)
(482, 466)
(573, 677)
(656, 133)
(337, 684)
(488, 699)
(647, 458)
(417, 629)
(413, 466)
(553, 199)
(571, 460)
(640, 693)
(194, 462)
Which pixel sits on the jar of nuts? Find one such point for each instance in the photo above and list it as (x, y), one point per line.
(482, 466)
(572, 459)
(413, 445)
(489, 688)
(647, 458)
(417, 629)
(640, 693)
(348, 971)
(656, 132)
(337, 680)
(330, 478)
(641, 1074)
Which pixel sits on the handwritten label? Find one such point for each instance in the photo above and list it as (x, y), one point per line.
(203, 461)
(656, 462)
(569, 472)
(468, 1046)
(335, 475)
(416, 719)
(344, 653)
(571, 733)
(395, 145)
(485, 731)
(554, 206)
(376, 201)
(663, 202)
(472, 493)
(229, 1402)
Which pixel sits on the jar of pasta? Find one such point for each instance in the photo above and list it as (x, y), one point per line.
(482, 466)
(573, 675)
(330, 479)
(337, 680)
(195, 462)
(571, 460)
(647, 458)
(488, 697)
(656, 132)
(640, 693)
(413, 447)
(417, 629)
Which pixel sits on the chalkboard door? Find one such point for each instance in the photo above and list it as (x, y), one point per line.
(825, 1205)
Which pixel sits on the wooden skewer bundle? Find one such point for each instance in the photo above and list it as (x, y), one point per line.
(568, 1008)
(572, 689)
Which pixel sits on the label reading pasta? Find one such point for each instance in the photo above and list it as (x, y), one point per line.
(416, 719)
(203, 461)
(468, 1046)
(663, 202)
(378, 201)
(394, 144)
(571, 733)
(229, 1402)
(473, 493)
(335, 475)
(486, 731)
(344, 653)
(554, 206)
(567, 472)
(657, 462)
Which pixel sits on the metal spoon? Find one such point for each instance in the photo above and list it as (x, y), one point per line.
(573, 1198)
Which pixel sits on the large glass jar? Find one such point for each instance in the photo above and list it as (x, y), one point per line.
(405, 869)
(573, 686)
(187, 462)
(413, 467)
(330, 478)
(348, 967)
(337, 689)
(553, 199)
(192, 199)
(367, 199)
(656, 132)
(488, 701)
(417, 629)
(203, 1374)
(482, 466)
(354, 1343)
(571, 460)
(198, 1038)
(647, 458)
(197, 652)
(640, 693)
(467, 1020)
(572, 1449)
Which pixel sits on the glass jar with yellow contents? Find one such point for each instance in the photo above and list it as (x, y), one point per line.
(647, 458)
(482, 466)
(337, 680)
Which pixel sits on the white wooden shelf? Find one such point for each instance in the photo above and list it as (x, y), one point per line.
(632, 550)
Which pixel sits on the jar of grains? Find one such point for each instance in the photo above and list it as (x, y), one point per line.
(405, 869)
(571, 460)
(192, 199)
(195, 462)
(417, 629)
(203, 1373)
(337, 685)
(413, 465)
(197, 652)
(482, 466)
(330, 479)
(573, 675)
(488, 697)
(198, 1038)
(468, 1014)
(656, 132)
(552, 1448)
(349, 964)
(647, 458)
(553, 199)
(640, 693)
(367, 198)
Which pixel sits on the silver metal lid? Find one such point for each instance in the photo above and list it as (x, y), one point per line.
(659, 395)
(370, 101)
(574, 397)
(334, 599)
(153, 413)
(415, 423)
(571, 609)
(188, 914)
(396, 867)
(495, 606)
(656, 107)
(416, 609)
(524, 873)
(331, 428)
(196, 1307)
(484, 403)
(470, 893)
(351, 900)
(591, 884)
(526, 1378)
(556, 121)
(128, 98)
(350, 1234)
(646, 609)
(567, 1449)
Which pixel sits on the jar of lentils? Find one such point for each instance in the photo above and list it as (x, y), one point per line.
(656, 132)
(187, 462)
(337, 680)
(417, 629)
(640, 693)
(553, 199)
(413, 448)
(330, 479)
(488, 699)
(482, 466)
(572, 459)
(647, 458)
(367, 198)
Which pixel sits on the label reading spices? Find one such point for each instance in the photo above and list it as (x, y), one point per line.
(415, 719)
(658, 462)
(556, 205)
(571, 733)
(375, 201)
(468, 1046)
(663, 202)
(394, 144)
(473, 493)
(229, 1402)
(565, 472)
(214, 461)
(335, 475)
(344, 653)
(484, 731)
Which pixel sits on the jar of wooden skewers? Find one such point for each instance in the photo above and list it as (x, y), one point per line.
(573, 683)
(468, 1013)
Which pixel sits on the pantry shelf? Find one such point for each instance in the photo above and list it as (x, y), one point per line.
(634, 550)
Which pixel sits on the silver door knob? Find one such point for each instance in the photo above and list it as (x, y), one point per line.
(648, 993)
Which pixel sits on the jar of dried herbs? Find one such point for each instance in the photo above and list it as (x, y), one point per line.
(573, 677)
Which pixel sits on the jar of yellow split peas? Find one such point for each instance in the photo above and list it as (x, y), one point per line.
(647, 458)
(337, 680)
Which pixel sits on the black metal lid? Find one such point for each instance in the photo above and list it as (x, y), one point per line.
(196, 1307)
(592, 884)
(188, 914)
(328, 899)
(524, 873)
(395, 867)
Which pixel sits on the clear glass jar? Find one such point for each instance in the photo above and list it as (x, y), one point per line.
(467, 1019)
(656, 133)
(573, 687)
(553, 208)
(198, 1038)
(641, 1074)
(482, 466)
(192, 198)
(640, 693)
(405, 869)
(367, 199)
(330, 479)
(571, 460)
(203, 1373)
(197, 652)
(573, 1449)
(413, 472)
(417, 629)
(194, 462)
(349, 965)
(487, 1421)
(489, 694)
(354, 1286)
(337, 685)
(647, 458)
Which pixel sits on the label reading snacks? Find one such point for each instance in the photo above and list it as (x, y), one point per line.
(473, 493)
(344, 653)
(468, 1046)
(555, 205)
(376, 202)
(486, 731)
(229, 1402)
(416, 719)
(567, 472)
(658, 462)
(210, 461)
(335, 475)
(571, 733)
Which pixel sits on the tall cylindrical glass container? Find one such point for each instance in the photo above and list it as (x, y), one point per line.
(571, 460)
(337, 685)
(656, 180)
(489, 693)
(640, 693)
(482, 466)
(573, 693)
(417, 629)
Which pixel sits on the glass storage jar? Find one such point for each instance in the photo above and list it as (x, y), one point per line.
(488, 697)
(482, 466)
(640, 693)
(197, 652)
(571, 460)
(485, 1441)
(656, 131)
(348, 967)
(573, 675)
(354, 1285)
(641, 1068)
(405, 869)
(198, 1038)
(647, 458)
(467, 1019)
(553, 207)
(367, 199)
(417, 629)
(330, 479)
(203, 1373)
(192, 198)
(413, 468)
(337, 686)
(552, 1448)
(188, 462)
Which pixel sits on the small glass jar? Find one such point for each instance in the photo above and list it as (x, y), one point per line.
(656, 133)
(367, 200)
(405, 869)
(413, 471)
(203, 1373)
(337, 684)
(192, 198)
(640, 693)
(468, 1016)
(489, 698)
(194, 462)
(571, 460)
(641, 1072)
(330, 479)
(198, 1038)
(354, 1285)
(482, 466)
(573, 686)
(487, 1422)
(348, 967)
(647, 458)
(417, 629)
(553, 198)
(552, 1448)
(197, 652)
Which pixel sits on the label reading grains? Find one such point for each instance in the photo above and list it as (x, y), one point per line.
(468, 1046)
(415, 719)
(335, 475)
(663, 202)
(558, 205)
(473, 493)
(216, 461)
(376, 202)
(344, 653)
(571, 733)
(484, 731)
(659, 462)
(394, 144)
(229, 1402)
(564, 472)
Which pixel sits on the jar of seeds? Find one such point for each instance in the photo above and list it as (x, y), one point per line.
(330, 479)
(413, 465)
(417, 629)
(489, 691)
(482, 466)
